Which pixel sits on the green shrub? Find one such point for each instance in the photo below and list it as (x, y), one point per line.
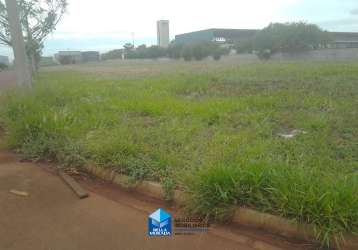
(290, 37)
(113, 54)
(217, 54)
(264, 54)
(175, 50)
(299, 194)
(187, 53)
(201, 51)
(245, 46)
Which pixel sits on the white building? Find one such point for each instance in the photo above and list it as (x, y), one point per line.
(163, 33)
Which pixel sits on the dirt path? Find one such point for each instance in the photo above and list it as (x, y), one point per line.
(52, 217)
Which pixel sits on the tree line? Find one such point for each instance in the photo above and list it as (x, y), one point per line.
(197, 51)
(292, 37)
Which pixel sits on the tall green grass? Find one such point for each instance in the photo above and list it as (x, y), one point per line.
(327, 202)
(214, 135)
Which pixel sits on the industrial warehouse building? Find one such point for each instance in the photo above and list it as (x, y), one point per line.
(90, 56)
(345, 39)
(68, 57)
(234, 36)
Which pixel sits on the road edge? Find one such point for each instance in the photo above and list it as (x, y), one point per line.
(242, 216)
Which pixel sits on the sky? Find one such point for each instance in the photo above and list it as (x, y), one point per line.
(108, 24)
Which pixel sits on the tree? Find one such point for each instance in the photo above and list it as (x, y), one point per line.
(141, 51)
(290, 37)
(155, 52)
(245, 46)
(217, 54)
(202, 50)
(113, 54)
(128, 50)
(128, 46)
(187, 53)
(38, 19)
(22, 70)
(218, 51)
(175, 50)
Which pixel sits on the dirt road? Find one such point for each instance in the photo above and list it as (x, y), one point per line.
(52, 217)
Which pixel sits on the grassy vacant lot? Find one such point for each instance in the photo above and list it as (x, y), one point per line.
(213, 132)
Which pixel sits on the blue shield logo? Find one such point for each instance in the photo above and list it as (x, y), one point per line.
(160, 223)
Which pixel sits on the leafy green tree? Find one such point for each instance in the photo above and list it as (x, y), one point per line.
(142, 47)
(129, 50)
(187, 53)
(128, 46)
(202, 50)
(175, 50)
(38, 19)
(113, 54)
(217, 54)
(199, 51)
(141, 51)
(155, 52)
(290, 37)
(245, 46)
(217, 51)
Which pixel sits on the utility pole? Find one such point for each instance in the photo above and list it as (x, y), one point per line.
(22, 69)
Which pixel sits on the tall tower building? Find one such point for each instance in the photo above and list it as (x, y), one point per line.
(163, 33)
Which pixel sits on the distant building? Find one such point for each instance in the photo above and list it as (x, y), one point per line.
(4, 60)
(234, 36)
(344, 40)
(230, 36)
(90, 56)
(68, 57)
(74, 57)
(163, 33)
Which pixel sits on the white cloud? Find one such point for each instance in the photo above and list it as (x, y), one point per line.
(89, 35)
(88, 18)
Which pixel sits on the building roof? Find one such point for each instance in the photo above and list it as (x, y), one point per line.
(234, 32)
(223, 31)
(90, 52)
(211, 34)
(243, 34)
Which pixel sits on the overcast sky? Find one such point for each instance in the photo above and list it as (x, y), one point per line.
(108, 24)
